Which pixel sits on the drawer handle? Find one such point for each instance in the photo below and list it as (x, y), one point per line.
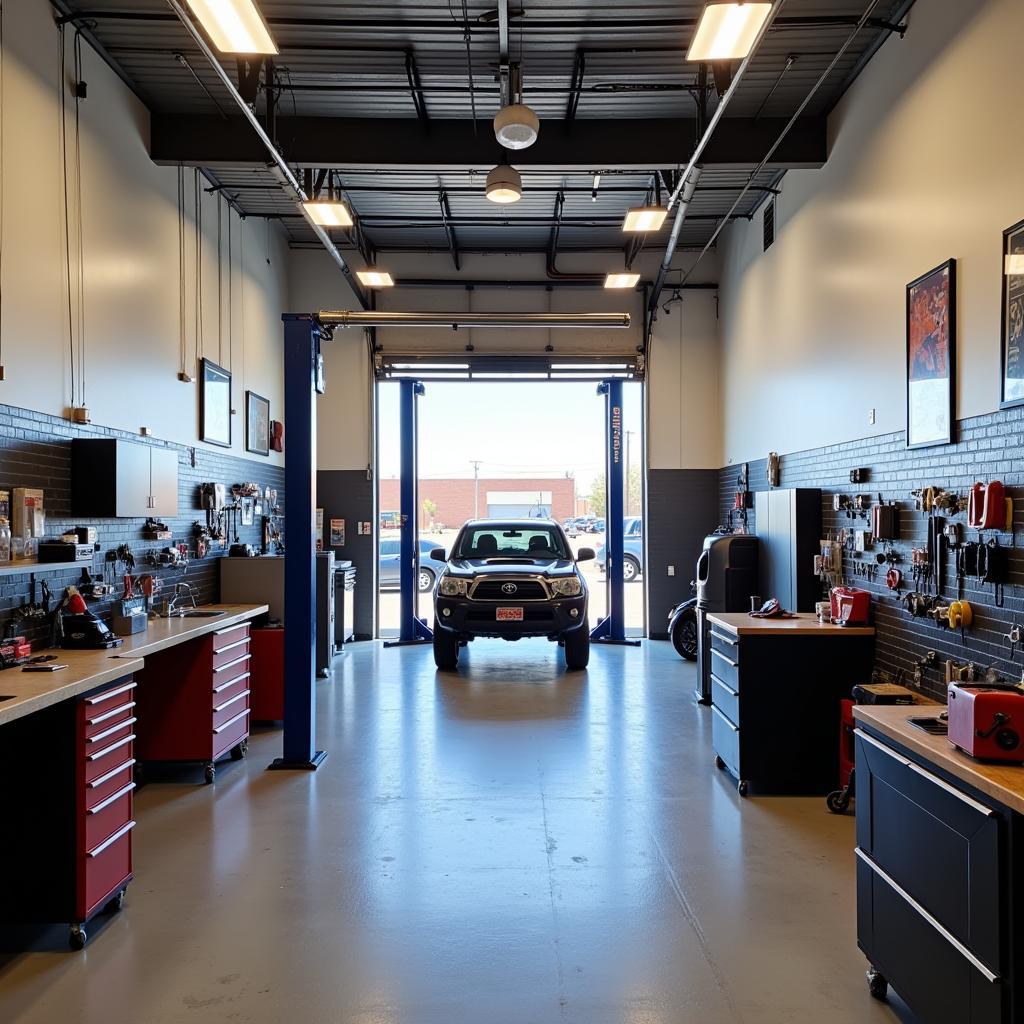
(728, 689)
(730, 640)
(104, 804)
(231, 647)
(109, 714)
(230, 722)
(110, 749)
(911, 902)
(934, 779)
(101, 697)
(231, 629)
(725, 718)
(728, 661)
(231, 682)
(119, 834)
(232, 664)
(228, 703)
(113, 771)
(100, 736)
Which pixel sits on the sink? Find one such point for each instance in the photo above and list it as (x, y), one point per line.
(195, 613)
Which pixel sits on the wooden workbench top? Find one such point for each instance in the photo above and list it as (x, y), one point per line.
(805, 624)
(1003, 782)
(164, 633)
(33, 691)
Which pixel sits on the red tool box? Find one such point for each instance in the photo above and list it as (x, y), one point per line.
(987, 721)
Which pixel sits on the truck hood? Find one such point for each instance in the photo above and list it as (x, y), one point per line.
(508, 566)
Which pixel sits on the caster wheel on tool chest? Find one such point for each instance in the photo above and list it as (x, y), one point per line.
(742, 787)
(77, 937)
(837, 802)
(211, 773)
(719, 763)
(116, 904)
(877, 985)
(239, 750)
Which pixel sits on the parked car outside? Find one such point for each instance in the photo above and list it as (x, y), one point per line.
(571, 529)
(511, 579)
(633, 549)
(390, 553)
(597, 526)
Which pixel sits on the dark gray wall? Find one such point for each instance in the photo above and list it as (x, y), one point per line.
(682, 507)
(988, 449)
(348, 494)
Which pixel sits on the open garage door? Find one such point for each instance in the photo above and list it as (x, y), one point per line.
(473, 366)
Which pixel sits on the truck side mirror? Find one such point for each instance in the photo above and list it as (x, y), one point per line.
(438, 554)
(586, 555)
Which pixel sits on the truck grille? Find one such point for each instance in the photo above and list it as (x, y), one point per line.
(526, 590)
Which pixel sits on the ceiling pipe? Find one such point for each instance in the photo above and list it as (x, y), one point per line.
(684, 189)
(472, 284)
(279, 166)
(453, 321)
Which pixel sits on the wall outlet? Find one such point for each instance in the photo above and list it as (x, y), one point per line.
(871, 416)
(671, 570)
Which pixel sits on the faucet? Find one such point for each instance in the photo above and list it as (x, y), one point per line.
(180, 590)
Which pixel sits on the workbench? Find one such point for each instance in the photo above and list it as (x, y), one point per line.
(776, 687)
(940, 871)
(68, 755)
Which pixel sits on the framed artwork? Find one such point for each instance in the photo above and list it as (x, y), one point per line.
(1012, 329)
(931, 357)
(257, 424)
(214, 404)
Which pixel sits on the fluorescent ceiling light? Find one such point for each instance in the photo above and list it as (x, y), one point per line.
(371, 277)
(1015, 265)
(589, 366)
(430, 366)
(234, 26)
(504, 185)
(328, 213)
(625, 280)
(644, 218)
(516, 126)
(727, 31)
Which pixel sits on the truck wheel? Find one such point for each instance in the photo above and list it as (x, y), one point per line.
(684, 634)
(446, 650)
(577, 647)
(630, 569)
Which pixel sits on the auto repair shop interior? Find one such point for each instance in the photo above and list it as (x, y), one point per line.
(288, 290)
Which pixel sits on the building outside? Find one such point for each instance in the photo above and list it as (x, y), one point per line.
(450, 502)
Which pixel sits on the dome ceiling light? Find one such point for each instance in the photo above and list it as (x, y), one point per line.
(516, 126)
(504, 185)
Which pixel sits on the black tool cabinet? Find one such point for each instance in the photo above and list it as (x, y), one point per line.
(939, 882)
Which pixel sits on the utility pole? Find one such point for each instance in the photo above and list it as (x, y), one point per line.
(475, 463)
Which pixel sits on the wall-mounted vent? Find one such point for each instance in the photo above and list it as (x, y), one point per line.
(769, 224)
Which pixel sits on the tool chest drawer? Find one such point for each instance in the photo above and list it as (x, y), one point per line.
(231, 668)
(230, 653)
(726, 666)
(725, 735)
(231, 732)
(104, 870)
(223, 638)
(725, 643)
(108, 816)
(108, 754)
(725, 698)
(940, 845)
(229, 708)
(100, 712)
(226, 689)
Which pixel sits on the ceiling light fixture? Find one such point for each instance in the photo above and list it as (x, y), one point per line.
(371, 277)
(622, 280)
(596, 186)
(727, 30)
(234, 26)
(645, 218)
(516, 126)
(328, 213)
(504, 185)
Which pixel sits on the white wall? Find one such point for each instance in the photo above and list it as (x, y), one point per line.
(131, 263)
(926, 165)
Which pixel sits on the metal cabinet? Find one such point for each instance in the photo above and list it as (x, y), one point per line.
(936, 889)
(111, 478)
(788, 523)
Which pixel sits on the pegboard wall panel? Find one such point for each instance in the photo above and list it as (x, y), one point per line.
(35, 451)
(989, 448)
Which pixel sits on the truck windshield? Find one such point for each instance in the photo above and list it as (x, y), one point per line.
(504, 540)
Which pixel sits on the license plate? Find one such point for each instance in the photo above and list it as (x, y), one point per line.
(510, 614)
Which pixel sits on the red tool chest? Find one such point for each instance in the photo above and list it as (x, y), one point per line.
(194, 700)
(67, 822)
(267, 674)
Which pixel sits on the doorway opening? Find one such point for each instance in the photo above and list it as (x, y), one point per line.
(522, 449)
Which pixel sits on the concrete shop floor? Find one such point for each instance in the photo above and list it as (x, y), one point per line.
(505, 845)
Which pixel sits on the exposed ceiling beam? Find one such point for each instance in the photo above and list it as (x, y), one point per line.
(380, 144)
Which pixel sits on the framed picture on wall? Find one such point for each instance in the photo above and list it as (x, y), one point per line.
(214, 404)
(257, 424)
(931, 357)
(1012, 329)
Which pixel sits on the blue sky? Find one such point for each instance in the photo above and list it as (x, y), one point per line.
(521, 429)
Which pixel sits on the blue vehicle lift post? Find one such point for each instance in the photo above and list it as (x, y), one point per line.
(302, 336)
(612, 628)
(412, 629)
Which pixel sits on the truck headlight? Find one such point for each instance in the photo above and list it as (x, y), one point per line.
(569, 587)
(452, 586)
